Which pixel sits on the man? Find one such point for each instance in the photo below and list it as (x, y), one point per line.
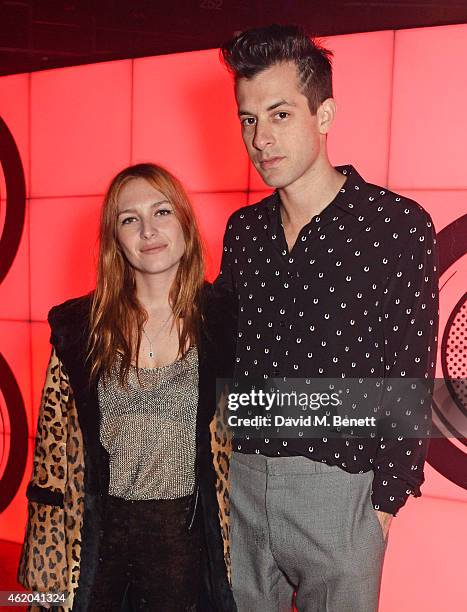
(335, 278)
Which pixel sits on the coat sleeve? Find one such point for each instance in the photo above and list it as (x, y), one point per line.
(43, 562)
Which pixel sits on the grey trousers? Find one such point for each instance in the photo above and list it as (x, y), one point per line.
(302, 526)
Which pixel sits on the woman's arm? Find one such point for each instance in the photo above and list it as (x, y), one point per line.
(43, 562)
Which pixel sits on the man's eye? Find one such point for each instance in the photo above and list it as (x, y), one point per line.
(248, 121)
(282, 115)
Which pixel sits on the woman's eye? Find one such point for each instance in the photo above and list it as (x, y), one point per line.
(128, 220)
(162, 212)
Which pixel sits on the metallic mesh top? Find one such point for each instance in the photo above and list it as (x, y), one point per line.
(149, 428)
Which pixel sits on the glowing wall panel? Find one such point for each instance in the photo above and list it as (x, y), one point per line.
(14, 290)
(80, 128)
(15, 349)
(363, 90)
(13, 519)
(63, 250)
(257, 196)
(14, 110)
(424, 569)
(213, 210)
(429, 123)
(437, 486)
(184, 116)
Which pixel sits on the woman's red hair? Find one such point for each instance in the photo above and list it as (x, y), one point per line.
(117, 317)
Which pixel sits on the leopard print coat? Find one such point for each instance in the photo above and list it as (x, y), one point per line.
(58, 532)
(51, 550)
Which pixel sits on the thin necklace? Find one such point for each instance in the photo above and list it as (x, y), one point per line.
(151, 352)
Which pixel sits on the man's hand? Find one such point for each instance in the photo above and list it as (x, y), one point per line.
(384, 519)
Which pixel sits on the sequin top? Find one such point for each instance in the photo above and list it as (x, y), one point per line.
(149, 429)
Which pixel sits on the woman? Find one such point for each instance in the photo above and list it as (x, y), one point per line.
(122, 502)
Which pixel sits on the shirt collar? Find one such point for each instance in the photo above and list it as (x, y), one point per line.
(352, 195)
(349, 199)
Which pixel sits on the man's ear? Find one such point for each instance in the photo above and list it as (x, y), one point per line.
(326, 114)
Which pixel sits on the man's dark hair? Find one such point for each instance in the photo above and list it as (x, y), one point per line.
(253, 51)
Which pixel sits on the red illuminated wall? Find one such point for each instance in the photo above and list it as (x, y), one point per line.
(401, 121)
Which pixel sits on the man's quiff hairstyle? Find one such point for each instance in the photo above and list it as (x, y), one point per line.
(253, 51)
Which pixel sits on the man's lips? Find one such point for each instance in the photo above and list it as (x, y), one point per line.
(271, 162)
(153, 249)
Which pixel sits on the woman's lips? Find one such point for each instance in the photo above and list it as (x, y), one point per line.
(154, 249)
(270, 163)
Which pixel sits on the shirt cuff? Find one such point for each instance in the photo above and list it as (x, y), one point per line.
(390, 493)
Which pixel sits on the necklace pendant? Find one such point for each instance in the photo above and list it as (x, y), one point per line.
(151, 354)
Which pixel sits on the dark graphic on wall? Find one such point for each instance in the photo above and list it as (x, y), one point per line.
(13, 414)
(448, 453)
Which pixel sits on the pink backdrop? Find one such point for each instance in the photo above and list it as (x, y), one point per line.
(401, 121)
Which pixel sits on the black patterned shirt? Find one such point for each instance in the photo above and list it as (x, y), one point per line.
(355, 297)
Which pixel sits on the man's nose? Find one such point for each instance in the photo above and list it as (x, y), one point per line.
(263, 136)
